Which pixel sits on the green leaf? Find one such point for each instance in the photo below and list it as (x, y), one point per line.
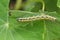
(33, 6)
(3, 18)
(11, 29)
(51, 5)
(58, 3)
(35, 0)
(34, 30)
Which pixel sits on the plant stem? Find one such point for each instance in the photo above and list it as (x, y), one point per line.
(44, 33)
(43, 7)
(18, 4)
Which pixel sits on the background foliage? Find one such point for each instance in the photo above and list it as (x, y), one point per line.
(11, 29)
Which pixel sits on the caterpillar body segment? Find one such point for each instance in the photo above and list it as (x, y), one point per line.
(38, 17)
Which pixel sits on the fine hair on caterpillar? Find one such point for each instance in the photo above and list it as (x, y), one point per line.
(38, 17)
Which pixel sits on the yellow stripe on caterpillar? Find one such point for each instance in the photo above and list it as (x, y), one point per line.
(38, 17)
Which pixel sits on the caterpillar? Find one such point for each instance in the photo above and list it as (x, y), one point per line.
(38, 17)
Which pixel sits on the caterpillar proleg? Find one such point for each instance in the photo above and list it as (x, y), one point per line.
(38, 17)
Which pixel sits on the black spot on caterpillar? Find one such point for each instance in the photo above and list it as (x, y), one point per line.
(38, 17)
